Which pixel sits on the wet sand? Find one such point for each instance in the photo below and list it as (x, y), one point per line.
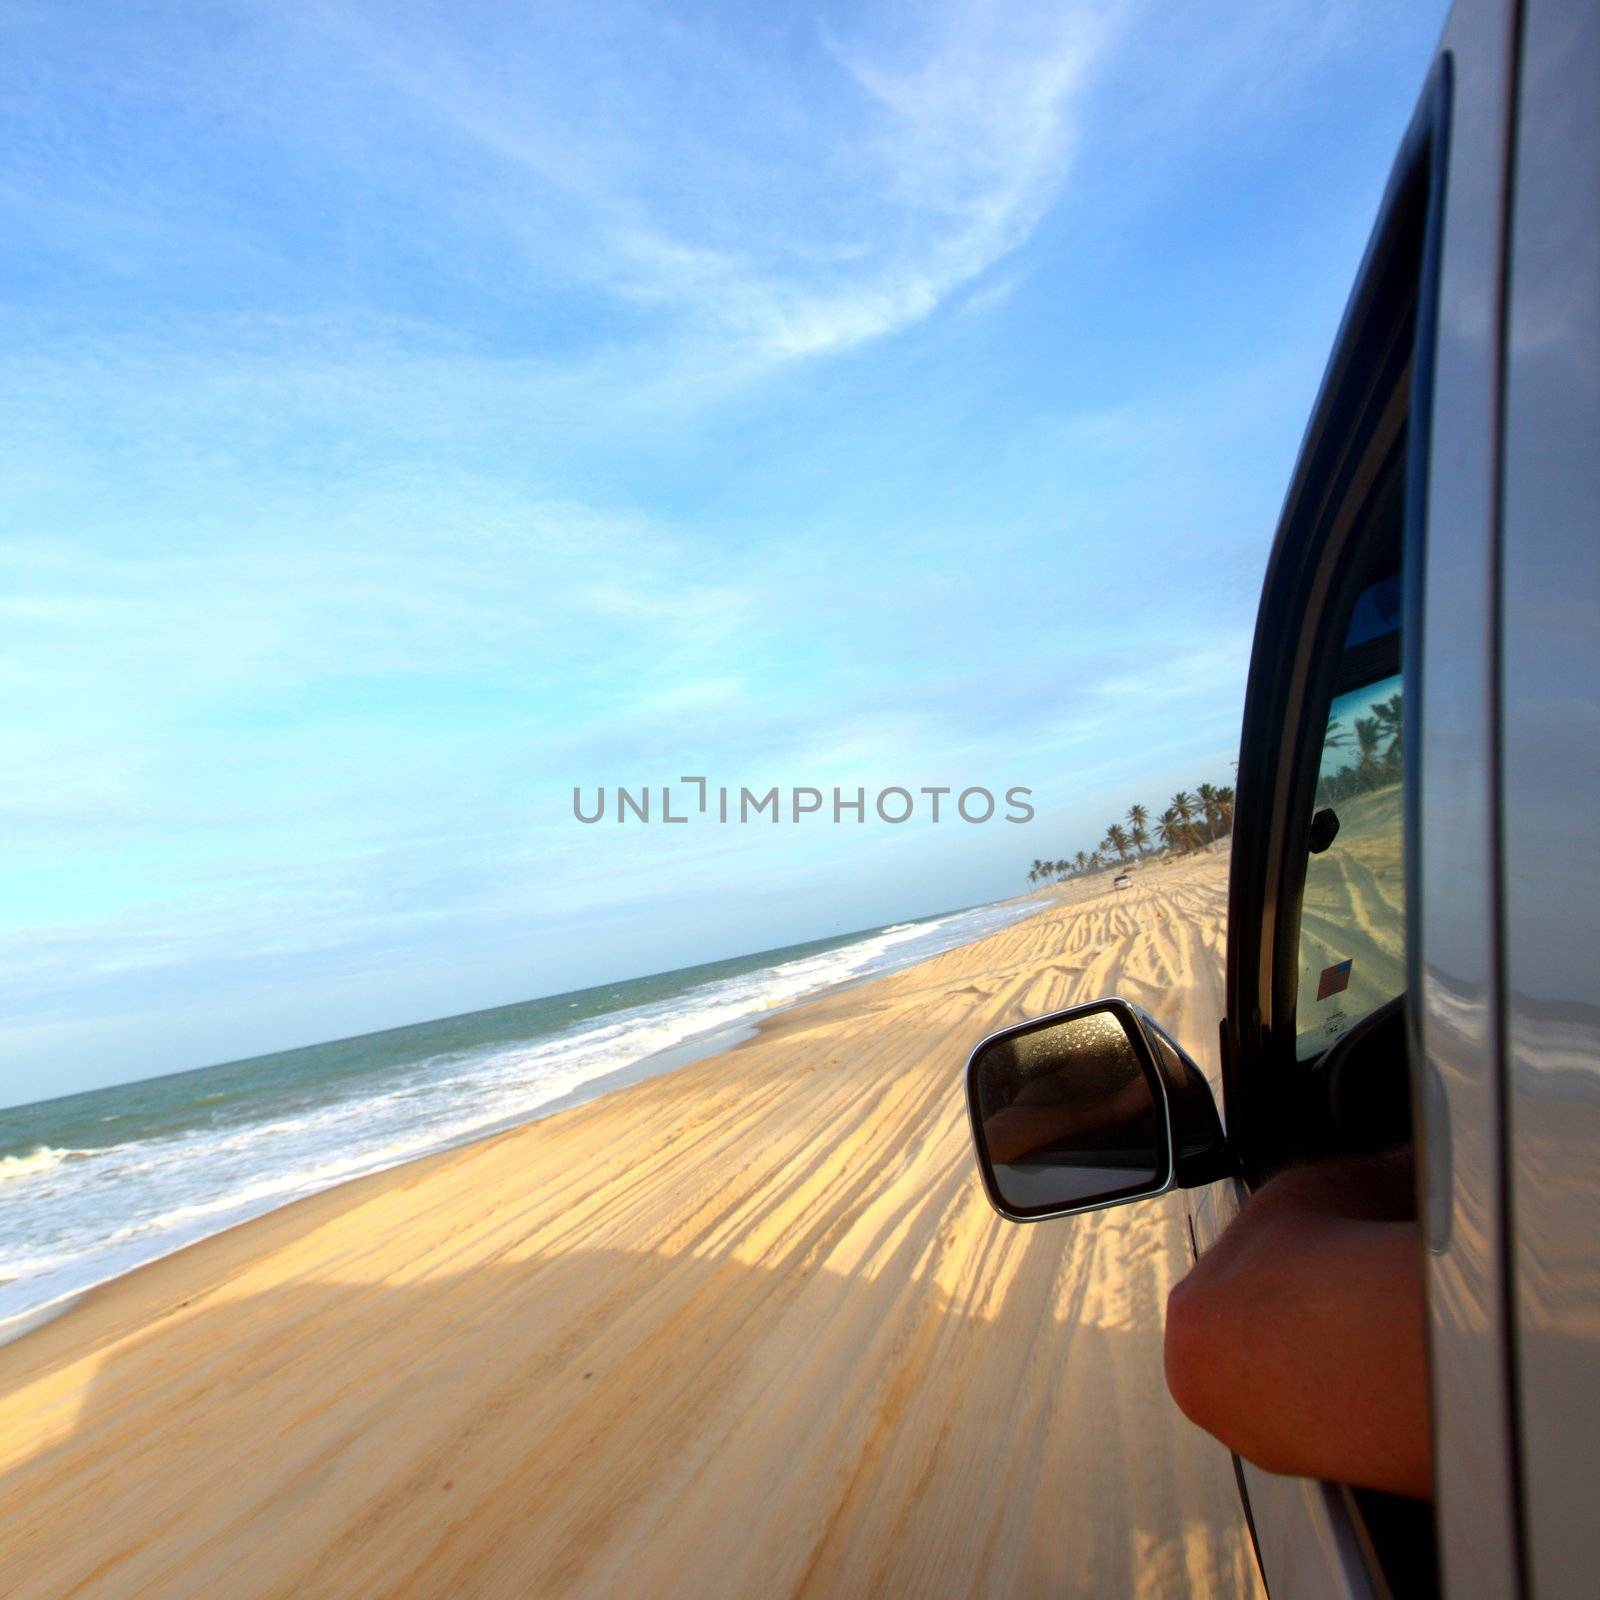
(747, 1328)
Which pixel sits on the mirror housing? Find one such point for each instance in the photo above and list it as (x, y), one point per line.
(1092, 1106)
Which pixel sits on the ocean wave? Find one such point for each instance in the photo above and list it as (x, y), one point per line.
(42, 1158)
(14, 1269)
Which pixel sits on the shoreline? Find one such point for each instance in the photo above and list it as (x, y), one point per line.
(719, 1040)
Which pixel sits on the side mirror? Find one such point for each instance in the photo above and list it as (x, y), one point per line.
(1089, 1107)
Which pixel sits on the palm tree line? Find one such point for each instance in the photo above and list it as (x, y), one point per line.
(1196, 821)
(1190, 822)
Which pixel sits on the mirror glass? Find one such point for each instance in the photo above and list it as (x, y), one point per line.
(1066, 1114)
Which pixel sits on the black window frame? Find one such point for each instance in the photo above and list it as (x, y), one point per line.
(1375, 399)
(1275, 1110)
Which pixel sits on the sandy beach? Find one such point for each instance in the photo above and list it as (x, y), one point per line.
(746, 1328)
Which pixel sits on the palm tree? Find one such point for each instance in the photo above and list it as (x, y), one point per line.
(1369, 735)
(1390, 715)
(1138, 826)
(1182, 808)
(1225, 805)
(1335, 738)
(1080, 861)
(1172, 830)
(1206, 795)
(1117, 838)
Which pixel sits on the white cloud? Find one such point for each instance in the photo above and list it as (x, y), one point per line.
(902, 154)
(963, 144)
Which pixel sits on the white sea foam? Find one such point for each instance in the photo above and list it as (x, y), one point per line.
(40, 1159)
(73, 1218)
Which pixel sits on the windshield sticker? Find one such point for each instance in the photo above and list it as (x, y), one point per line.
(1334, 979)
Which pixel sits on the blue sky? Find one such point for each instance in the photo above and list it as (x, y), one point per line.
(411, 411)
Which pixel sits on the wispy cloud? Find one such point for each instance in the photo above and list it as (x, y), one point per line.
(783, 195)
(962, 137)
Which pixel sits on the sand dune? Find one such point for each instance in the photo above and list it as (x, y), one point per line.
(745, 1329)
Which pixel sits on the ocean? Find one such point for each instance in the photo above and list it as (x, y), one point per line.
(94, 1184)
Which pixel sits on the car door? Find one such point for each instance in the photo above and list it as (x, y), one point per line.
(1549, 764)
(1367, 696)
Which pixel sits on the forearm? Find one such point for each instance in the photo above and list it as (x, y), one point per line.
(1298, 1339)
(1374, 1188)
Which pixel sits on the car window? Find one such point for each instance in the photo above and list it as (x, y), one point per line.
(1352, 916)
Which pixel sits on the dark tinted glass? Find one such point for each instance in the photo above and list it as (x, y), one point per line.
(1351, 956)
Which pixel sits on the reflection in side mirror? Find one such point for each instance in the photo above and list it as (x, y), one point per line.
(1077, 1110)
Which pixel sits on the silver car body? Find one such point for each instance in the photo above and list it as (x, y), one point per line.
(1502, 842)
